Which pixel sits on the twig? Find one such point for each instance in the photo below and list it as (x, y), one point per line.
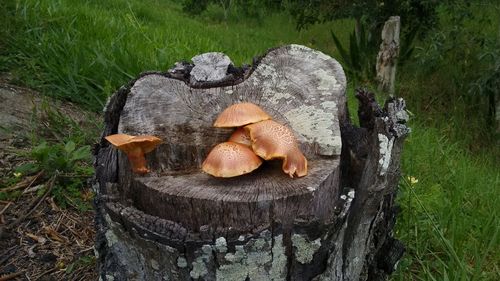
(86, 250)
(7, 256)
(5, 208)
(10, 276)
(35, 204)
(45, 273)
(58, 223)
(75, 234)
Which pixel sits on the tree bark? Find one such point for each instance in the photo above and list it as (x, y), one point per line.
(177, 223)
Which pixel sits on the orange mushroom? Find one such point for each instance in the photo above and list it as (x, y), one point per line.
(241, 136)
(271, 140)
(240, 114)
(135, 147)
(230, 159)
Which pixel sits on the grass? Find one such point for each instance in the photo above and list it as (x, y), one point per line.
(450, 202)
(83, 50)
(58, 152)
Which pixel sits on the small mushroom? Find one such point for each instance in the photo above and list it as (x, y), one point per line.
(240, 114)
(271, 140)
(241, 136)
(230, 159)
(135, 147)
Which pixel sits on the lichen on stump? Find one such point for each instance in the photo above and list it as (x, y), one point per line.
(178, 223)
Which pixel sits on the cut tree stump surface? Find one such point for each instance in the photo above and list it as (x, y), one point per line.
(308, 97)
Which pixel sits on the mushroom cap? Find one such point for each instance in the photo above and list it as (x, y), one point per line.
(241, 136)
(240, 114)
(295, 164)
(127, 143)
(230, 159)
(271, 140)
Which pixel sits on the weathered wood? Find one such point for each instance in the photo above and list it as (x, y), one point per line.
(177, 223)
(209, 67)
(387, 58)
(283, 85)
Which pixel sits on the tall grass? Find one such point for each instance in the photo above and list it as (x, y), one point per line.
(450, 220)
(83, 50)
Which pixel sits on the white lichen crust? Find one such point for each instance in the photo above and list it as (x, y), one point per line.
(305, 249)
(385, 149)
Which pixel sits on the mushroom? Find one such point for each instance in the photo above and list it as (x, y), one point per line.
(241, 136)
(135, 147)
(230, 159)
(240, 114)
(271, 140)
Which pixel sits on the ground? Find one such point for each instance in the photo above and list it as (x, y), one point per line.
(45, 241)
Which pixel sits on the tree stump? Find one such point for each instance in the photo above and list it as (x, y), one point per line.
(177, 223)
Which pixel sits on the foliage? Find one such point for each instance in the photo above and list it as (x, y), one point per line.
(60, 149)
(487, 83)
(68, 163)
(195, 7)
(359, 59)
(470, 71)
(56, 158)
(82, 261)
(83, 51)
(450, 201)
(50, 123)
(247, 8)
(415, 14)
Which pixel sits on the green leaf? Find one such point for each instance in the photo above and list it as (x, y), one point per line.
(28, 168)
(70, 268)
(342, 51)
(69, 147)
(81, 153)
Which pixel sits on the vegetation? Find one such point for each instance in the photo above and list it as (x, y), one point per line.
(83, 51)
(59, 156)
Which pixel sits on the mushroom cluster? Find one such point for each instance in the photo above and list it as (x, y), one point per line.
(256, 137)
(135, 147)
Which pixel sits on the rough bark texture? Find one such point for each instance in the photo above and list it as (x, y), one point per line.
(177, 223)
(387, 58)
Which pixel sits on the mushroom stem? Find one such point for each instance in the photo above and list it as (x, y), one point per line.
(137, 160)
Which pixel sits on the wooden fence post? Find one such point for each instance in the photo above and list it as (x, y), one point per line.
(387, 57)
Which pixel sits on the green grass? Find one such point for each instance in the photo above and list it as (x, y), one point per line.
(450, 217)
(84, 50)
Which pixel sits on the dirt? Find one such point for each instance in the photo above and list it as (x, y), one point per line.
(39, 240)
